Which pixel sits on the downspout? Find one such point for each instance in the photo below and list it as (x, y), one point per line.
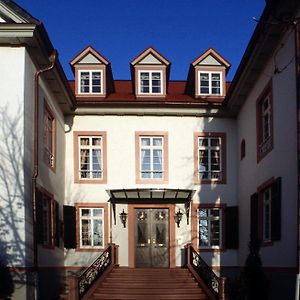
(52, 60)
(297, 58)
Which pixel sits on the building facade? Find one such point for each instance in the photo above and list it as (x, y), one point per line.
(149, 164)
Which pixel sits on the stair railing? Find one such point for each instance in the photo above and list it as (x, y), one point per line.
(81, 286)
(214, 286)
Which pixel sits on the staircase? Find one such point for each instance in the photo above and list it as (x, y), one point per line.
(143, 284)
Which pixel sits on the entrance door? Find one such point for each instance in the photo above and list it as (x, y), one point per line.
(152, 238)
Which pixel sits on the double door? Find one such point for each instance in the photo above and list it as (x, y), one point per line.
(152, 238)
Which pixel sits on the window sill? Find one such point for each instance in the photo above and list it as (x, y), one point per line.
(91, 181)
(211, 249)
(151, 181)
(89, 249)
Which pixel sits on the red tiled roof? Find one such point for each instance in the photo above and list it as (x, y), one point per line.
(124, 93)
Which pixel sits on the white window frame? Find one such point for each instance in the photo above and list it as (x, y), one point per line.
(49, 137)
(90, 82)
(210, 148)
(90, 148)
(150, 82)
(210, 83)
(267, 213)
(266, 133)
(151, 148)
(209, 220)
(91, 218)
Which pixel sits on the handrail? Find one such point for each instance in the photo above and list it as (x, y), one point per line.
(215, 284)
(81, 286)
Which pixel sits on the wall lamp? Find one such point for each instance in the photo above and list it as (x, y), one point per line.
(123, 217)
(178, 217)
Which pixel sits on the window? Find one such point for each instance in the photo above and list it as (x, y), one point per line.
(266, 204)
(48, 230)
(210, 227)
(264, 123)
(90, 157)
(243, 149)
(49, 137)
(91, 227)
(150, 82)
(152, 158)
(210, 83)
(90, 82)
(210, 158)
(266, 212)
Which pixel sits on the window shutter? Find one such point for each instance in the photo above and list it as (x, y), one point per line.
(232, 227)
(39, 216)
(69, 227)
(57, 225)
(254, 217)
(276, 210)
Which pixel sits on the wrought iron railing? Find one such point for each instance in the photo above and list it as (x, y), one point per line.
(86, 279)
(215, 284)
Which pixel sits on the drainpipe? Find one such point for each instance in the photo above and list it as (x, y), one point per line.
(52, 60)
(297, 58)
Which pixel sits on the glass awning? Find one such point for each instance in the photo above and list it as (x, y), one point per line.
(150, 196)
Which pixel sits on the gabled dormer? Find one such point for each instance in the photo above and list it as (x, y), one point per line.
(207, 76)
(150, 74)
(93, 75)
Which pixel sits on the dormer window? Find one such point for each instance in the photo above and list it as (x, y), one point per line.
(210, 83)
(90, 82)
(93, 75)
(207, 77)
(150, 72)
(150, 82)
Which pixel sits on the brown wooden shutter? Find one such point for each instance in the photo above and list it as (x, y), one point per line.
(57, 225)
(39, 216)
(232, 227)
(276, 210)
(69, 227)
(254, 216)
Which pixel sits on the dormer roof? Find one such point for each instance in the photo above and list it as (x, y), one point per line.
(211, 58)
(150, 57)
(89, 56)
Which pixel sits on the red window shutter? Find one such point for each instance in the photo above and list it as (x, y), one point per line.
(276, 210)
(254, 217)
(69, 227)
(232, 227)
(57, 224)
(39, 216)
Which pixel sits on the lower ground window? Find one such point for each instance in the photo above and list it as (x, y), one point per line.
(91, 227)
(209, 227)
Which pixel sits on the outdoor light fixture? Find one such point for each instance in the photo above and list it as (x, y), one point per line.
(123, 217)
(178, 217)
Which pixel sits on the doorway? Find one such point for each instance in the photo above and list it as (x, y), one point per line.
(152, 238)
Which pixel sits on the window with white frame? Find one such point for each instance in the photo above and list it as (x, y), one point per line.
(265, 111)
(49, 137)
(152, 157)
(210, 83)
(266, 198)
(150, 82)
(90, 82)
(90, 158)
(209, 158)
(210, 227)
(91, 227)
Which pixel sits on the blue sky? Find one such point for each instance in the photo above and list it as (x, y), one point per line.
(180, 30)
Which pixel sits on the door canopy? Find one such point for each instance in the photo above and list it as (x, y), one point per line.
(150, 196)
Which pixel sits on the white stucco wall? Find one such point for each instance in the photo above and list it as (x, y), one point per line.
(12, 212)
(280, 162)
(120, 132)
